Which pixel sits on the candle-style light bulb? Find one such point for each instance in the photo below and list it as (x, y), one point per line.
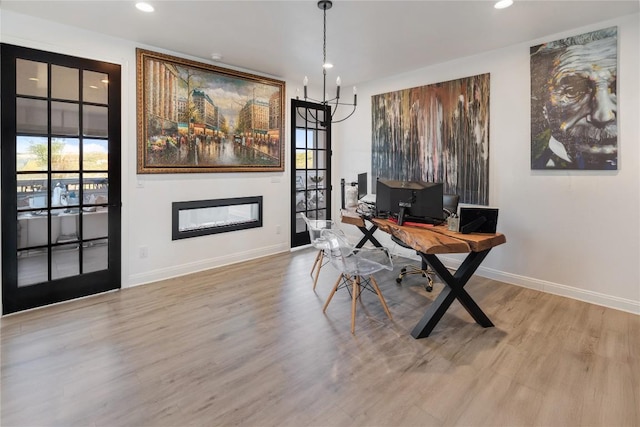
(355, 97)
(338, 81)
(304, 83)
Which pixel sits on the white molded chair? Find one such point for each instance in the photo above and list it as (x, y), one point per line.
(356, 267)
(315, 227)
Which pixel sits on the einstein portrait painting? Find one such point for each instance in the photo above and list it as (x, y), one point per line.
(574, 102)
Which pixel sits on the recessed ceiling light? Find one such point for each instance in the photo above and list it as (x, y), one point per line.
(145, 7)
(216, 56)
(502, 4)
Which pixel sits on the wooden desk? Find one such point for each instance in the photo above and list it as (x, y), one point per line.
(429, 241)
(350, 216)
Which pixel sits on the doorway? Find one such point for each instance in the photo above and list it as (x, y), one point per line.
(311, 167)
(61, 197)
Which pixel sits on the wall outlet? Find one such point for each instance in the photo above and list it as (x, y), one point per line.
(143, 252)
(278, 229)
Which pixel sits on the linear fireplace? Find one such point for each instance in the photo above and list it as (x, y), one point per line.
(203, 217)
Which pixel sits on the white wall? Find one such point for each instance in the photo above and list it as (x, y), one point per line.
(572, 233)
(146, 199)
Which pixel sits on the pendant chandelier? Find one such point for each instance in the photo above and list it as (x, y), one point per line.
(332, 103)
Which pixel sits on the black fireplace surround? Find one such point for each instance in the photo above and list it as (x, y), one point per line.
(203, 217)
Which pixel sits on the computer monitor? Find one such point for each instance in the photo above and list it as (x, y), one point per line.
(362, 185)
(420, 200)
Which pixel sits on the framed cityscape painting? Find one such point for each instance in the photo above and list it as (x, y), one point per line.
(196, 117)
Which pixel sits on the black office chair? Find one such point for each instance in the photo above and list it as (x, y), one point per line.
(450, 207)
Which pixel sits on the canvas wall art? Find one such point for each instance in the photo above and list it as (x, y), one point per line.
(196, 117)
(574, 102)
(435, 133)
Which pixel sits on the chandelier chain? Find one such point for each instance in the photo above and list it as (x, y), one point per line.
(324, 40)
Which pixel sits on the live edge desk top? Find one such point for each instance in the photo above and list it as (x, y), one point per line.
(430, 241)
(438, 239)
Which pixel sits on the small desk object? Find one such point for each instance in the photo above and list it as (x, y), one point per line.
(429, 241)
(351, 216)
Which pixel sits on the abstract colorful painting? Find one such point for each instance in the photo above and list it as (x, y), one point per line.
(435, 133)
(574, 107)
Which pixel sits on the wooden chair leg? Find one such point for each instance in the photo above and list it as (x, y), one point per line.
(319, 262)
(380, 297)
(356, 289)
(333, 291)
(315, 262)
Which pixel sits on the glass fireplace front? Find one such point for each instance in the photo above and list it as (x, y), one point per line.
(203, 217)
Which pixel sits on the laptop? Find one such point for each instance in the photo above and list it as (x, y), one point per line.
(363, 194)
(478, 219)
(369, 199)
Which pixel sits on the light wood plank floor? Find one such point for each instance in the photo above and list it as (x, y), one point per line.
(249, 345)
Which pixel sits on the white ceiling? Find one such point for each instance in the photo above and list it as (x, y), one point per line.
(366, 40)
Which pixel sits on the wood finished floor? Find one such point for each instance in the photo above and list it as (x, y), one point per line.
(249, 345)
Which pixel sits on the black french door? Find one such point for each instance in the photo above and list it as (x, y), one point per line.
(310, 167)
(61, 197)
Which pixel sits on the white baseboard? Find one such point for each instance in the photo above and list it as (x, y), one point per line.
(597, 298)
(194, 267)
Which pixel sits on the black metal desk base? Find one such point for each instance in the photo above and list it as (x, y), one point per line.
(368, 236)
(453, 290)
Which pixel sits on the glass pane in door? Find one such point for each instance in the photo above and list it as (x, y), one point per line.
(95, 121)
(65, 118)
(31, 115)
(64, 261)
(95, 154)
(32, 154)
(95, 256)
(95, 188)
(95, 87)
(321, 140)
(33, 266)
(65, 155)
(31, 78)
(65, 83)
(95, 223)
(32, 229)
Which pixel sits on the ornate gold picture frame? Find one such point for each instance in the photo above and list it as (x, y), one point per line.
(196, 117)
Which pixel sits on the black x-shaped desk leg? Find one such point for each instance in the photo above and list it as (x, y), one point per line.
(453, 290)
(368, 235)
